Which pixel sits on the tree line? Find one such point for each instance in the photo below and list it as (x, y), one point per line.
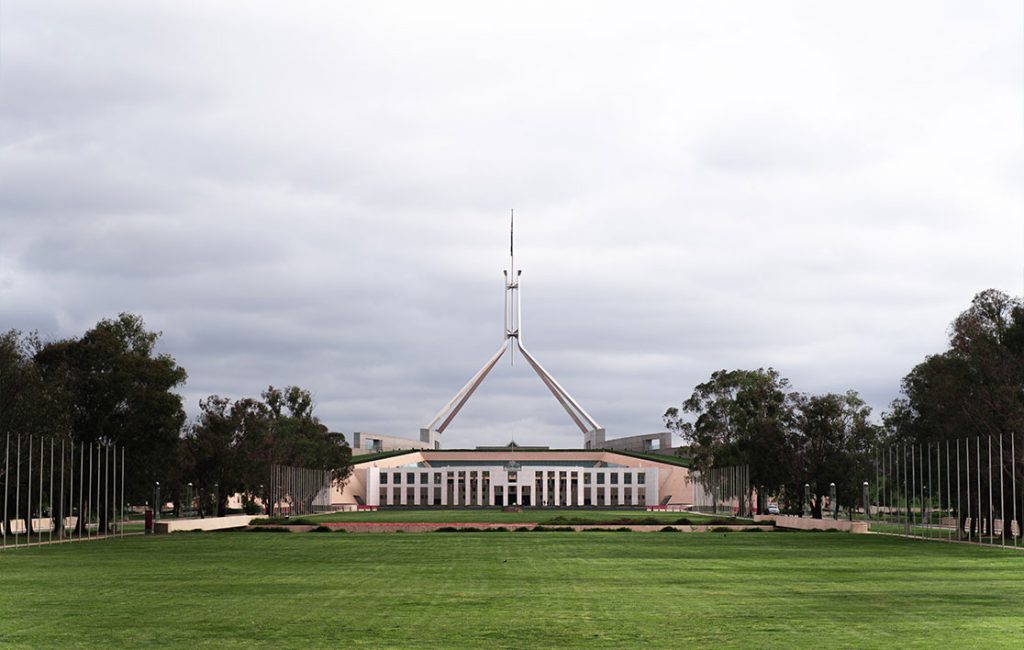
(111, 386)
(791, 440)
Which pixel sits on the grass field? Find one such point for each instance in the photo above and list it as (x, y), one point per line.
(614, 590)
(495, 516)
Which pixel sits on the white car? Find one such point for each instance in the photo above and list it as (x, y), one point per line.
(773, 508)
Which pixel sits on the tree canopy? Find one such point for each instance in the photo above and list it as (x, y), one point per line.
(786, 439)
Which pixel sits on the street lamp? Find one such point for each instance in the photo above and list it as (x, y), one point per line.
(867, 503)
(807, 499)
(832, 500)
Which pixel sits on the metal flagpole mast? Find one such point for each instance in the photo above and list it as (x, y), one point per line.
(88, 503)
(1002, 507)
(1013, 486)
(17, 490)
(7, 478)
(122, 491)
(80, 523)
(53, 522)
(991, 502)
(959, 515)
(39, 511)
(106, 489)
(28, 499)
(949, 493)
(977, 459)
(62, 517)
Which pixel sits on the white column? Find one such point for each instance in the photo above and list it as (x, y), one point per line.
(558, 487)
(544, 486)
(469, 489)
(444, 487)
(490, 490)
(636, 489)
(373, 486)
(579, 487)
(403, 492)
(651, 485)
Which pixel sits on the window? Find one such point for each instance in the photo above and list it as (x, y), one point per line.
(586, 478)
(424, 478)
(614, 478)
(410, 478)
(383, 478)
(641, 478)
(627, 478)
(600, 478)
(396, 478)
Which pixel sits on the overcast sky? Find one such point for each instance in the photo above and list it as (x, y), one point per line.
(318, 193)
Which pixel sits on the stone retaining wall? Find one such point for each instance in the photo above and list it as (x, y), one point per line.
(807, 523)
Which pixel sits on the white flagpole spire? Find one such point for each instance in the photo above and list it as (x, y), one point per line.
(511, 341)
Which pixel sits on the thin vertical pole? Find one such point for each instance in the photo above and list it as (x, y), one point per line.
(949, 495)
(915, 487)
(53, 522)
(99, 495)
(17, 492)
(39, 511)
(930, 503)
(113, 489)
(7, 476)
(71, 487)
(1013, 487)
(62, 488)
(122, 491)
(977, 459)
(88, 504)
(1002, 507)
(28, 499)
(991, 503)
(958, 519)
(80, 523)
(106, 488)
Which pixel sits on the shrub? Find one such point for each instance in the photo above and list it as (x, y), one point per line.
(267, 529)
(720, 529)
(669, 529)
(322, 529)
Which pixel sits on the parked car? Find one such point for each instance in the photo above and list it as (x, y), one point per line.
(773, 508)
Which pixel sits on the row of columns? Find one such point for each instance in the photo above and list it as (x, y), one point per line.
(485, 492)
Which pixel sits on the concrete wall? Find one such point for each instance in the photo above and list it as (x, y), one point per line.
(807, 523)
(364, 443)
(660, 442)
(209, 523)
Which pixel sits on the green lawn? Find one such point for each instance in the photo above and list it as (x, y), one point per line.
(496, 516)
(495, 590)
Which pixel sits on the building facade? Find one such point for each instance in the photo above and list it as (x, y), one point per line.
(496, 478)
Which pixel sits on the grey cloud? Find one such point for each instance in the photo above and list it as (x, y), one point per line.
(320, 197)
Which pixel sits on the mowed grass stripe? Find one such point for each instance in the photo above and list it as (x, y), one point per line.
(511, 590)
